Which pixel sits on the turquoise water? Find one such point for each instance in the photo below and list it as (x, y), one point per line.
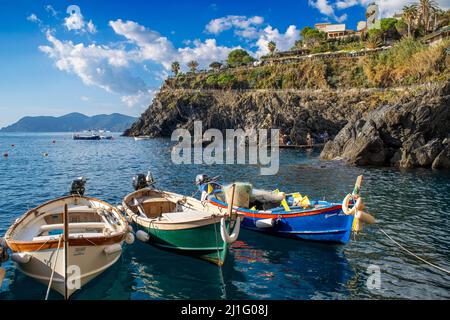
(411, 206)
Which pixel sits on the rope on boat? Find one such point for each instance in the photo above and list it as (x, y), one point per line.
(414, 255)
(222, 281)
(53, 269)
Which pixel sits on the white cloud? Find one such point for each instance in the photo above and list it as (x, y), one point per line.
(141, 99)
(75, 21)
(91, 28)
(100, 66)
(152, 46)
(284, 41)
(33, 18)
(387, 7)
(244, 27)
(49, 8)
(84, 98)
(344, 4)
(203, 52)
(110, 67)
(327, 9)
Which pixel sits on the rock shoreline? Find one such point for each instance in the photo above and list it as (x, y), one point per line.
(404, 135)
(403, 127)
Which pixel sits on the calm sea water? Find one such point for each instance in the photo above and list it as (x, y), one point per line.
(412, 206)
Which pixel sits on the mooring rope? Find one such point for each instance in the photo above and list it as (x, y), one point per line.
(414, 255)
(222, 280)
(53, 270)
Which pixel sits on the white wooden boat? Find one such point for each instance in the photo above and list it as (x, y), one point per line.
(95, 234)
(139, 138)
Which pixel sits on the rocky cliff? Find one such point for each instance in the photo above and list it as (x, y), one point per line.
(413, 133)
(379, 108)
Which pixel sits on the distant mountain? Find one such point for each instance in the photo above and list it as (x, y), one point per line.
(72, 122)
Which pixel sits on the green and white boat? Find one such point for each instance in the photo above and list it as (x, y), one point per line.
(181, 224)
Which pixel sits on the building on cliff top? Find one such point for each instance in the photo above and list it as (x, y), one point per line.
(339, 31)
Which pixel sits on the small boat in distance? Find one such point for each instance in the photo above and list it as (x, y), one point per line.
(66, 242)
(293, 215)
(88, 135)
(104, 136)
(139, 138)
(178, 223)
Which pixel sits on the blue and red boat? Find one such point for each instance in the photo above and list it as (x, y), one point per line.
(291, 215)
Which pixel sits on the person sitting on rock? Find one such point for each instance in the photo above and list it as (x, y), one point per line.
(309, 140)
(326, 137)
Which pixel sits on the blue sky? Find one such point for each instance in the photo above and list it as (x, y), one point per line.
(112, 55)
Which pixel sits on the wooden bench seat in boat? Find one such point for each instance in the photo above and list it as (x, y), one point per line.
(82, 225)
(72, 236)
(75, 216)
(155, 207)
(184, 216)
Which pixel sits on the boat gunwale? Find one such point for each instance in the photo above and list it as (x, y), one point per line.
(50, 244)
(282, 214)
(190, 224)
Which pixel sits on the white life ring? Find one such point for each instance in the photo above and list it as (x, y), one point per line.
(223, 231)
(357, 212)
(353, 210)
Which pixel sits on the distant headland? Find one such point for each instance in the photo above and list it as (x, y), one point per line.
(71, 122)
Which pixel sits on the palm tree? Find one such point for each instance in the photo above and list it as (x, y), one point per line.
(410, 15)
(272, 46)
(374, 40)
(215, 65)
(193, 65)
(426, 9)
(175, 67)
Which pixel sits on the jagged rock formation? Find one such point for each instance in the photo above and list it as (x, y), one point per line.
(409, 134)
(295, 113)
(380, 108)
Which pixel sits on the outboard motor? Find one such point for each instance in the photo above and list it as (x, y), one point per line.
(150, 180)
(78, 186)
(140, 182)
(201, 179)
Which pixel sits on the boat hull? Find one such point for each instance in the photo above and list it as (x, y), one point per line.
(327, 227)
(87, 138)
(91, 261)
(324, 225)
(202, 242)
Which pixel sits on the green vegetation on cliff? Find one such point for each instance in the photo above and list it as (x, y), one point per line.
(409, 62)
